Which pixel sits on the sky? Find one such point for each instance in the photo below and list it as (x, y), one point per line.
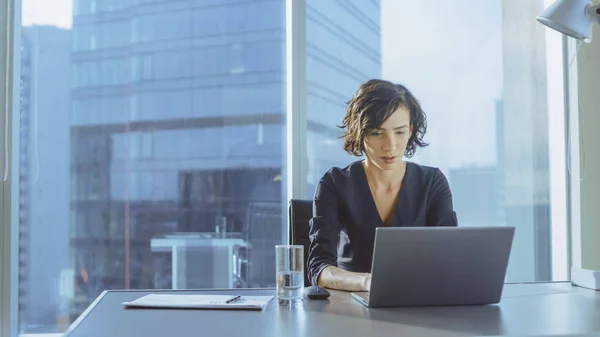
(47, 12)
(451, 59)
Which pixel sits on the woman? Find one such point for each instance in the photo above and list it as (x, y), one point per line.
(384, 122)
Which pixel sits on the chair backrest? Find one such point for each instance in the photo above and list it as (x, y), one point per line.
(262, 230)
(301, 212)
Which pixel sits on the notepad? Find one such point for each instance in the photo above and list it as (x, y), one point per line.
(183, 301)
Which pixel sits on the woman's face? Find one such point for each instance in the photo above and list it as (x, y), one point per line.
(386, 145)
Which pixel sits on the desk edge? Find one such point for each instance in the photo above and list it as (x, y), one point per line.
(181, 290)
(85, 314)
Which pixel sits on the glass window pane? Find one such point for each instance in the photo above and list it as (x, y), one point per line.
(484, 85)
(139, 122)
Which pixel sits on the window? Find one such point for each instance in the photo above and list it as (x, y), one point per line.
(113, 33)
(486, 89)
(84, 38)
(149, 135)
(113, 5)
(172, 64)
(82, 7)
(141, 67)
(100, 111)
(173, 24)
(343, 49)
(242, 18)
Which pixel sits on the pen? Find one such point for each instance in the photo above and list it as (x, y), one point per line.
(233, 299)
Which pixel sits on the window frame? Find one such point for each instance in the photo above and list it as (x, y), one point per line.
(9, 160)
(571, 85)
(296, 163)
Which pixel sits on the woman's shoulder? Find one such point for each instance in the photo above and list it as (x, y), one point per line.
(342, 174)
(425, 173)
(422, 169)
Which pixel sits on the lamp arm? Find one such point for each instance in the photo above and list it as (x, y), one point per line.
(593, 13)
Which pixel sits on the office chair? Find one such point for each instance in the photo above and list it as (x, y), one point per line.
(262, 231)
(301, 212)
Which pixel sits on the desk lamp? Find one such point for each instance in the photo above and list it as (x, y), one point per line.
(573, 18)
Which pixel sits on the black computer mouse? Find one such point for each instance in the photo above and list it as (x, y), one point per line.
(316, 293)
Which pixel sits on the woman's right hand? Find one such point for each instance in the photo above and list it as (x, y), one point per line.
(368, 282)
(335, 278)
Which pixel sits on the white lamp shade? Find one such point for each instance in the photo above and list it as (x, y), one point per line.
(571, 17)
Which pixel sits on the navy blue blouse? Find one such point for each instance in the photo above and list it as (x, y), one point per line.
(342, 230)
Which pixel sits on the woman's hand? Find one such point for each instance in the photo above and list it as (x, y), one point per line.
(335, 278)
(368, 283)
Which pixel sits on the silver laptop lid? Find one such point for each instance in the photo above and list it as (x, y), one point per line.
(415, 266)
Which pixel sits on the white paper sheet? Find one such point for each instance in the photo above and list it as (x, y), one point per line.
(199, 302)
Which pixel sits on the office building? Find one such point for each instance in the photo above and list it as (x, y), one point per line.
(44, 176)
(24, 202)
(525, 139)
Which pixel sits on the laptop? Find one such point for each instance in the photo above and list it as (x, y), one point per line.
(438, 266)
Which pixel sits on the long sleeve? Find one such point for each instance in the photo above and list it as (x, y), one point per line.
(324, 231)
(441, 210)
(343, 203)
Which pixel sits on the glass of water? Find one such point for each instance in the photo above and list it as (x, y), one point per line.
(290, 274)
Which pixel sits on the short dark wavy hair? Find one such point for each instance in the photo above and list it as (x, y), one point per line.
(375, 101)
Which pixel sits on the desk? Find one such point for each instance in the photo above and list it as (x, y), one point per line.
(181, 244)
(525, 309)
